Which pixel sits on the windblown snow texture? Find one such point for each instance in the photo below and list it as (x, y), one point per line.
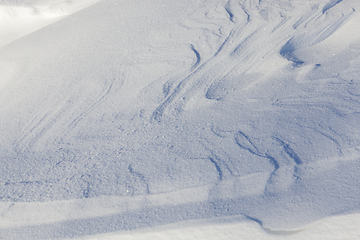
(252, 103)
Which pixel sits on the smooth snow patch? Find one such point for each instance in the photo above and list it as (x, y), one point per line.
(19, 20)
(343, 227)
(19, 214)
(24, 214)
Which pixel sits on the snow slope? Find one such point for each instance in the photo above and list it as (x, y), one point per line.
(122, 115)
(333, 228)
(18, 19)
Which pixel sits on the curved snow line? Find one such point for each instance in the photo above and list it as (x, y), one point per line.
(331, 228)
(282, 232)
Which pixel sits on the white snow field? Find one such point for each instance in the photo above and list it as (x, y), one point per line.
(191, 119)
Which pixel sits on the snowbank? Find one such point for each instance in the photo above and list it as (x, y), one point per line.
(129, 115)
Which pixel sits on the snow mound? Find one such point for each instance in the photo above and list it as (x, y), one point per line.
(135, 114)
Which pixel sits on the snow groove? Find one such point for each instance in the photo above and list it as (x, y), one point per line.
(307, 16)
(198, 58)
(138, 178)
(218, 168)
(236, 44)
(284, 172)
(244, 142)
(331, 4)
(292, 154)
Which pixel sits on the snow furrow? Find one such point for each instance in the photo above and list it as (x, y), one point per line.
(234, 52)
(330, 5)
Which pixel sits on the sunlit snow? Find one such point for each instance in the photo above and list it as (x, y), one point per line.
(192, 119)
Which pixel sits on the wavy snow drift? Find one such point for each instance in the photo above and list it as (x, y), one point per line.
(134, 114)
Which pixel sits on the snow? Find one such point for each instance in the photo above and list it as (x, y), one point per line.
(187, 119)
(233, 229)
(18, 20)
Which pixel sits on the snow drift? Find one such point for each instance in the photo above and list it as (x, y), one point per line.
(131, 114)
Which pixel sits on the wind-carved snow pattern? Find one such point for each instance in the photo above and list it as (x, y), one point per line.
(212, 109)
(231, 40)
(316, 35)
(237, 53)
(237, 56)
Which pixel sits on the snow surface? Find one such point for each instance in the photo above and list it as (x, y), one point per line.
(189, 119)
(334, 228)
